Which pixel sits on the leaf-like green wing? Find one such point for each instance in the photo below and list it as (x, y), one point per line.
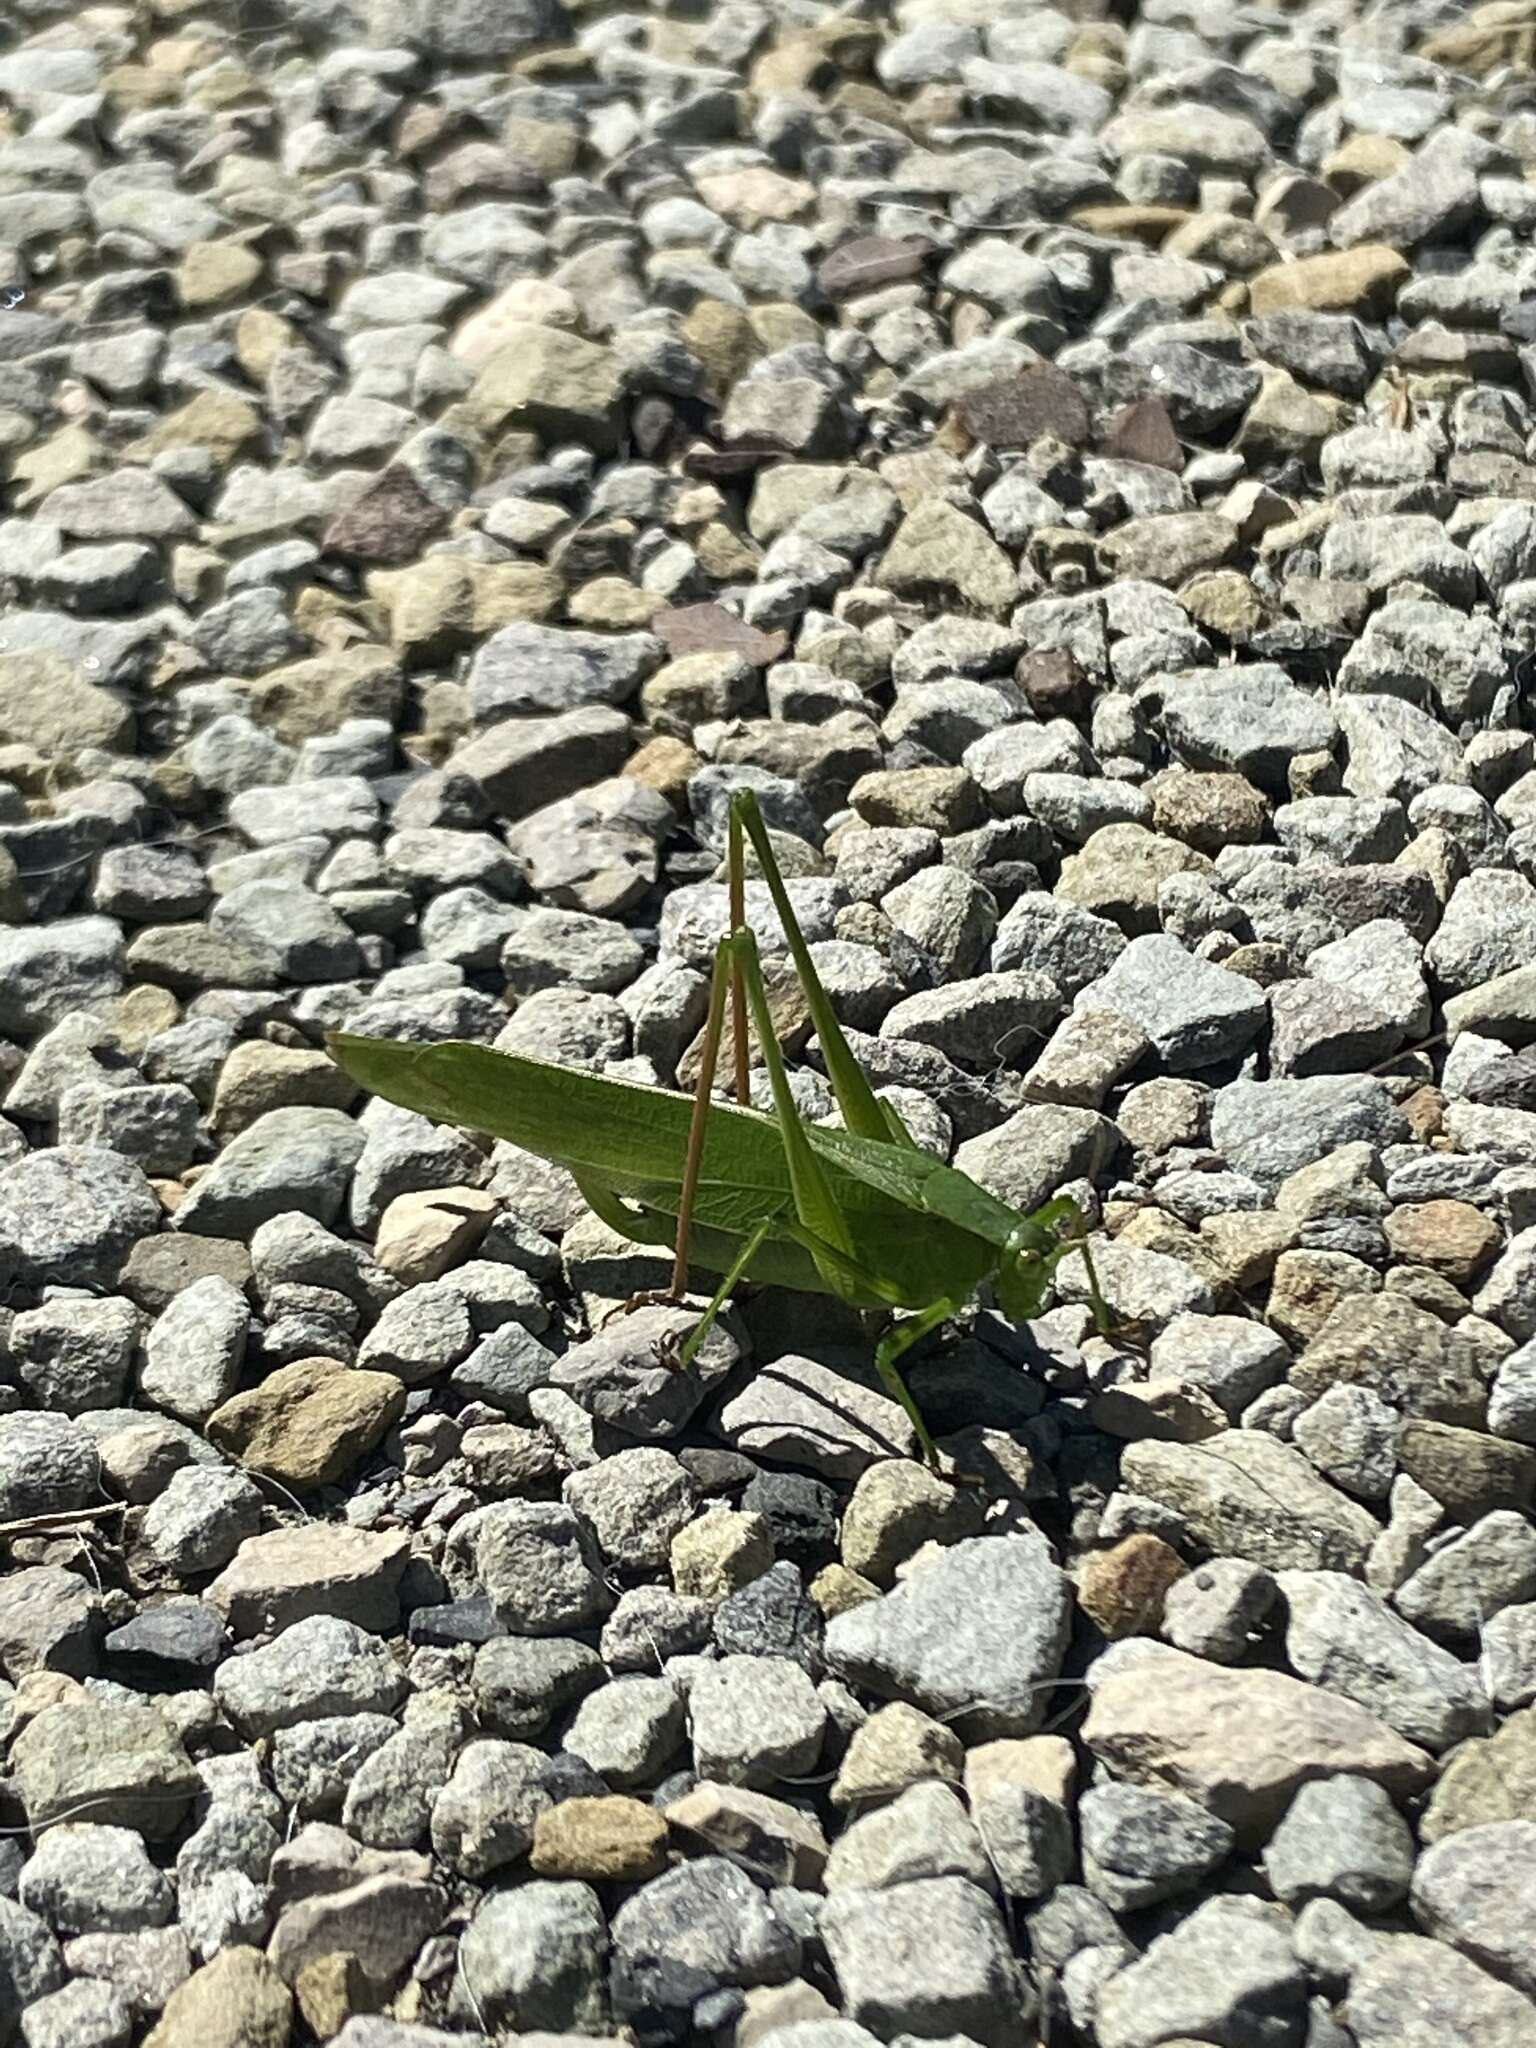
(632, 1141)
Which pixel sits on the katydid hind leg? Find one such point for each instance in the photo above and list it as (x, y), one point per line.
(862, 1113)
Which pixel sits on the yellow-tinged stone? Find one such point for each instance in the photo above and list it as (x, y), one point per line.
(752, 195)
(260, 338)
(218, 420)
(139, 1014)
(303, 699)
(835, 1590)
(1123, 1588)
(1362, 159)
(546, 381)
(132, 88)
(211, 273)
(614, 602)
(1363, 280)
(727, 556)
(781, 325)
(1491, 38)
(45, 702)
(549, 147)
(604, 1841)
(1151, 224)
(330, 1989)
(477, 338)
(664, 764)
(1223, 239)
(64, 458)
(439, 604)
(722, 338)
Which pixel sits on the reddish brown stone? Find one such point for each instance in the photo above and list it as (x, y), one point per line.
(390, 522)
(1143, 432)
(1020, 409)
(711, 629)
(870, 261)
(1054, 684)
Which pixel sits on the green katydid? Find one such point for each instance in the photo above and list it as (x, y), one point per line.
(862, 1213)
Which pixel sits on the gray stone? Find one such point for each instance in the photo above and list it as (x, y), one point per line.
(194, 1352)
(1248, 1495)
(71, 1214)
(1413, 1993)
(1194, 1012)
(629, 1731)
(319, 1666)
(976, 1634)
(1140, 1846)
(1344, 1637)
(483, 1818)
(924, 1833)
(929, 1958)
(1227, 1973)
(536, 1563)
(1343, 1839)
(534, 1959)
(755, 1721)
(1270, 1129)
(287, 1159)
(705, 1916)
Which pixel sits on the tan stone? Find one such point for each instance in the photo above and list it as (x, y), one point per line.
(725, 1549)
(1363, 280)
(330, 1989)
(1361, 160)
(1486, 1781)
(308, 698)
(285, 1575)
(1046, 1764)
(1242, 1743)
(778, 1843)
(308, 1423)
(64, 458)
(46, 703)
(897, 1746)
(1450, 1237)
(236, 2001)
(1163, 1409)
(752, 195)
(217, 420)
(213, 273)
(258, 1075)
(260, 338)
(604, 1841)
(722, 338)
(421, 1235)
(551, 383)
(614, 604)
(835, 1589)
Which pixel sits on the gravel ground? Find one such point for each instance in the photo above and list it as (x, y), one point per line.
(1081, 474)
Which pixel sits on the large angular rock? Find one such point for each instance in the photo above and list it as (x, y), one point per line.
(1162, 1717)
(1194, 1012)
(975, 1635)
(1246, 1494)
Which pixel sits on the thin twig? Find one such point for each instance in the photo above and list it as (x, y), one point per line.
(63, 1518)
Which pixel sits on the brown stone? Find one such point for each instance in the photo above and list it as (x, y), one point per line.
(1015, 411)
(288, 1574)
(1467, 1472)
(605, 1841)
(1207, 810)
(390, 521)
(1054, 684)
(711, 629)
(1450, 1237)
(308, 1423)
(330, 1989)
(1122, 1589)
(1143, 433)
(870, 261)
(158, 1268)
(776, 1842)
